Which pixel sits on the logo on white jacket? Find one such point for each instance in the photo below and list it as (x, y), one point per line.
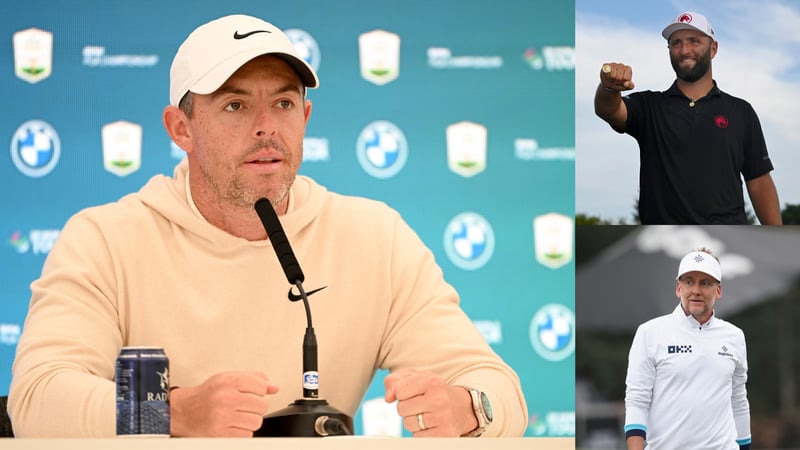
(724, 352)
(679, 349)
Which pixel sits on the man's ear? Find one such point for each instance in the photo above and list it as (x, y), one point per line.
(176, 124)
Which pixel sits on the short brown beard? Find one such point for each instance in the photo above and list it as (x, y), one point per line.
(700, 69)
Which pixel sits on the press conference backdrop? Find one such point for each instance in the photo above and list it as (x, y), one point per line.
(457, 113)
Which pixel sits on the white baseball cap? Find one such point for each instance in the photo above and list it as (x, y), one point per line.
(689, 20)
(214, 51)
(700, 262)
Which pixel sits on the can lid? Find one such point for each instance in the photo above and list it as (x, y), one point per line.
(142, 347)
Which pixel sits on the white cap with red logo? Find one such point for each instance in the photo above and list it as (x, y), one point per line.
(689, 20)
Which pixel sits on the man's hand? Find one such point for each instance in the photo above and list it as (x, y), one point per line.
(608, 104)
(617, 77)
(229, 404)
(446, 410)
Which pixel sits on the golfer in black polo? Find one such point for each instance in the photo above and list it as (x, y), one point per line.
(696, 142)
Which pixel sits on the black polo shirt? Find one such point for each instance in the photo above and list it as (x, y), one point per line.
(693, 155)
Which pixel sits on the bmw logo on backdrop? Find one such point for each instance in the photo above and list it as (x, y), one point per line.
(553, 332)
(35, 148)
(306, 46)
(469, 241)
(382, 149)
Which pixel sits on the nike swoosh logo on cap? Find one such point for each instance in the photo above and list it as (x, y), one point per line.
(236, 34)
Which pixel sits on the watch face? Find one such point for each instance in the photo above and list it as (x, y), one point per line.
(487, 407)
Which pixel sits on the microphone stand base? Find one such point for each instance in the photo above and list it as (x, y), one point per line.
(300, 420)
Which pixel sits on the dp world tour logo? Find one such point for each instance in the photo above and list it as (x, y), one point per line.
(553, 332)
(306, 46)
(19, 242)
(35, 148)
(469, 241)
(382, 149)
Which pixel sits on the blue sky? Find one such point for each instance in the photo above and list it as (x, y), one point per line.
(758, 60)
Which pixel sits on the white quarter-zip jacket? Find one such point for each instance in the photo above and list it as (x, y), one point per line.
(685, 387)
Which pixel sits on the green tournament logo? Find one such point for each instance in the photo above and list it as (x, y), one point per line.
(33, 54)
(466, 148)
(553, 236)
(122, 147)
(379, 56)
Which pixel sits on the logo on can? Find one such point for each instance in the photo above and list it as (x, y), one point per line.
(142, 377)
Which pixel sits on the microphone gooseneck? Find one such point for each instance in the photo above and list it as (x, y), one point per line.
(291, 268)
(309, 416)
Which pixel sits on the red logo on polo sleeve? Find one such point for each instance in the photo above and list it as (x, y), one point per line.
(721, 121)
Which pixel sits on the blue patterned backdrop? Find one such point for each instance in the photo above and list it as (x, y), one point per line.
(475, 115)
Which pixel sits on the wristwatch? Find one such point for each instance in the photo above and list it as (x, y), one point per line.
(482, 409)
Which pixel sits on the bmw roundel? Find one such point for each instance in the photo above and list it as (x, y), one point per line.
(306, 46)
(35, 148)
(469, 241)
(552, 332)
(382, 149)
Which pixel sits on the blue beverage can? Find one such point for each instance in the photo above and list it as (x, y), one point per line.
(142, 377)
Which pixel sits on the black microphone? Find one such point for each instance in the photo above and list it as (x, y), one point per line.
(280, 243)
(309, 416)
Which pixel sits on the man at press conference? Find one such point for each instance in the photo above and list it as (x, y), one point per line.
(185, 264)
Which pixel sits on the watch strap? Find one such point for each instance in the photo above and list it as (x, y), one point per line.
(480, 413)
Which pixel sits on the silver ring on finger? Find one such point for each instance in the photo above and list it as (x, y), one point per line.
(421, 422)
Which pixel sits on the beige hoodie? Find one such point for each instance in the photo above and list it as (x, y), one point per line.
(148, 270)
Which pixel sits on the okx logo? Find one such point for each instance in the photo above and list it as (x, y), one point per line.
(469, 241)
(679, 349)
